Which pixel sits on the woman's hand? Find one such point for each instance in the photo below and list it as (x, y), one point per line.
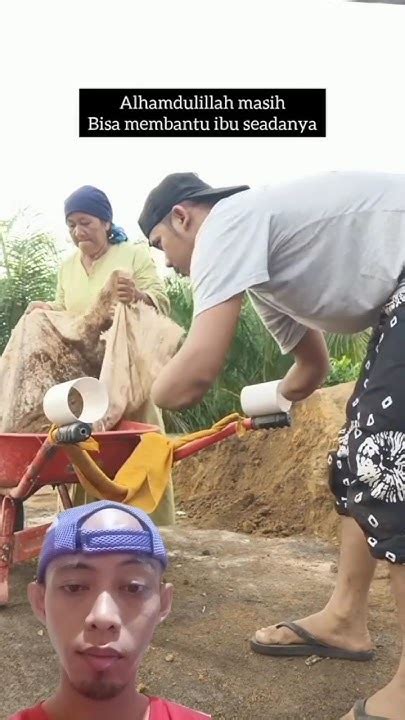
(128, 293)
(126, 290)
(37, 305)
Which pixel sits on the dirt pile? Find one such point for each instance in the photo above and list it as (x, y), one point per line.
(269, 483)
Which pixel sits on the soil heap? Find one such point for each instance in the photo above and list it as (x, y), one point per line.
(269, 482)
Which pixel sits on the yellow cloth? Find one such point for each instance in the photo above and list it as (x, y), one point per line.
(144, 477)
(77, 290)
(165, 513)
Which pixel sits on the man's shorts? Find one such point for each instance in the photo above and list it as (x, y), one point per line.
(367, 472)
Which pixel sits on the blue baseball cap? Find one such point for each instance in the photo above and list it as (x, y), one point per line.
(66, 536)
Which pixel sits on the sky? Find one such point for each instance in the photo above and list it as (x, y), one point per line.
(50, 49)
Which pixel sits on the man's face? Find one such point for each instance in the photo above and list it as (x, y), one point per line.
(176, 237)
(100, 613)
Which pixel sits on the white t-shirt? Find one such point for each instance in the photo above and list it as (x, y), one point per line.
(324, 252)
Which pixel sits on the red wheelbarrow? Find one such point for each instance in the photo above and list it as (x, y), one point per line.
(29, 462)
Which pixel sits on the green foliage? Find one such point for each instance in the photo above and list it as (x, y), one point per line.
(342, 370)
(353, 347)
(254, 358)
(28, 269)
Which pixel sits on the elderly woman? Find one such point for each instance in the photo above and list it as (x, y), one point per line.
(102, 247)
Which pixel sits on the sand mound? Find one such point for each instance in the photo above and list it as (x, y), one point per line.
(270, 483)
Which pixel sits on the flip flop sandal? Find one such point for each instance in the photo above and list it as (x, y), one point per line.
(361, 714)
(311, 646)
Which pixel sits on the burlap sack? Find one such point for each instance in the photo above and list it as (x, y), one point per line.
(124, 347)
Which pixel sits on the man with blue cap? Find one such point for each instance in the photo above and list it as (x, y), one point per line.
(100, 593)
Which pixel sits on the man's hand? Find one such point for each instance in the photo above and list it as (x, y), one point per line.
(37, 305)
(310, 369)
(185, 380)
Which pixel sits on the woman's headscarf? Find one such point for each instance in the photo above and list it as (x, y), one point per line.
(92, 201)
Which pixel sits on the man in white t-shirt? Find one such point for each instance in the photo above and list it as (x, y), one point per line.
(323, 254)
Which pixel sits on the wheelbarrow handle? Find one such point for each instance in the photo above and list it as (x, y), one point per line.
(266, 422)
(75, 433)
(263, 423)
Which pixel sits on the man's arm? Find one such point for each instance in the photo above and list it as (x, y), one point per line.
(310, 369)
(185, 380)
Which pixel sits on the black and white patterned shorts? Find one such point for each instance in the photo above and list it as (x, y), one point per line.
(367, 471)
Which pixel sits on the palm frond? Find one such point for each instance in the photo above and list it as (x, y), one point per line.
(28, 268)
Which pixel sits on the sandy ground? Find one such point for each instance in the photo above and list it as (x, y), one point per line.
(226, 585)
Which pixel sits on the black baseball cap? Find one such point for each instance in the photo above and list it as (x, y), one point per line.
(174, 189)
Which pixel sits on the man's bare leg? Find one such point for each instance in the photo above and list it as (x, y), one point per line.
(343, 621)
(390, 701)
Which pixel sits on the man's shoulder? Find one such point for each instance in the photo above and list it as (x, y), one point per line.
(241, 219)
(174, 711)
(32, 713)
(235, 207)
